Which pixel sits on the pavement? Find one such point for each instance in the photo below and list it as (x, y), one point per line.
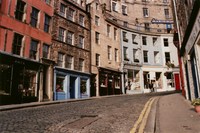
(172, 114)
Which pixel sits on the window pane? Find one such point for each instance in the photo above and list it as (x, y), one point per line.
(17, 44)
(45, 51)
(33, 49)
(19, 10)
(34, 17)
(47, 23)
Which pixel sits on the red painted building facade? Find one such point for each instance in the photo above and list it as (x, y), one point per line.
(25, 41)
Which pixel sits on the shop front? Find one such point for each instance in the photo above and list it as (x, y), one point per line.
(109, 82)
(19, 79)
(69, 84)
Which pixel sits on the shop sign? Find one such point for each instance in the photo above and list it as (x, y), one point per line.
(193, 34)
(156, 21)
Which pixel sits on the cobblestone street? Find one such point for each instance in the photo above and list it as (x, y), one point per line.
(107, 115)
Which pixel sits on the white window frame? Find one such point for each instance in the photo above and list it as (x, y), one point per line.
(145, 12)
(124, 9)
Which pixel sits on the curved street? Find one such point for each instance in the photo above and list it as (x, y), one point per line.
(106, 114)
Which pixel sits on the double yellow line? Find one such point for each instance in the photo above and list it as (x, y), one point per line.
(142, 120)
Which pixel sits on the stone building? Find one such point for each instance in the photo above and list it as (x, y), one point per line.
(188, 26)
(105, 52)
(25, 40)
(148, 54)
(71, 49)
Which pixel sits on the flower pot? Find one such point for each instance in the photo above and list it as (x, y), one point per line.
(197, 108)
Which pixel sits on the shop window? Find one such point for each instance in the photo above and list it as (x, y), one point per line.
(170, 79)
(130, 75)
(17, 44)
(103, 79)
(20, 8)
(30, 83)
(34, 17)
(117, 82)
(33, 49)
(59, 84)
(47, 23)
(83, 86)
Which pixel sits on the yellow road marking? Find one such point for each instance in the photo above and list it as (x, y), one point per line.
(144, 121)
(134, 129)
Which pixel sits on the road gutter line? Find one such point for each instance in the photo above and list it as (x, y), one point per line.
(135, 127)
(144, 121)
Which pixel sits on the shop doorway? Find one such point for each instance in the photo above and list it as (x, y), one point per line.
(72, 87)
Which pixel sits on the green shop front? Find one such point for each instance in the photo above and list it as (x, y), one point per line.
(20, 79)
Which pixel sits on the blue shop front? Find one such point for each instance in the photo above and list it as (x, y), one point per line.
(70, 84)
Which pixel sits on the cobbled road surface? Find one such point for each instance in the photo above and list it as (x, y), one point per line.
(116, 114)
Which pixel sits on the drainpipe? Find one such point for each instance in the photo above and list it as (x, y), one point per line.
(177, 43)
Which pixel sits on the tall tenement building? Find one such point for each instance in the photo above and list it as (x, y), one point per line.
(71, 49)
(146, 53)
(187, 14)
(25, 41)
